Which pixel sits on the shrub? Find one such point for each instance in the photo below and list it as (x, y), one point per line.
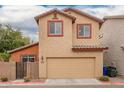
(26, 79)
(4, 57)
(112, 71)
(104, 78)
(1, 59)
(4, 79)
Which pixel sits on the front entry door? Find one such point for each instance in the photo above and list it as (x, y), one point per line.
(21, 70)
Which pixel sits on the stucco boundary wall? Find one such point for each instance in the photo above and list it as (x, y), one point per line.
(8, 69)
(32, 70)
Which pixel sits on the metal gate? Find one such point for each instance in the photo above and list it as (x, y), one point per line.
(21, 70)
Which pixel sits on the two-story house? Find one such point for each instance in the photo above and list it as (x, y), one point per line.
(69, 44)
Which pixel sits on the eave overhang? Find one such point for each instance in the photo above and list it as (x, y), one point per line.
(54, 11)
(88, 48)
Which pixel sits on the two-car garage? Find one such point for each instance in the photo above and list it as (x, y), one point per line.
(71, 67)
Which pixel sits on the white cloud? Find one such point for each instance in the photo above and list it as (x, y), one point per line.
(106, 11)
(33, 36)
(19, 13)
(22, 17)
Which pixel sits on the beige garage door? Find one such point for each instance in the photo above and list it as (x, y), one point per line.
(70, 67)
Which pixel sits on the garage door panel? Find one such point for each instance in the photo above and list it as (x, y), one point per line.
(70, 67)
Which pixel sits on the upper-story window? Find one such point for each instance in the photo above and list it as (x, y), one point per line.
(84, 31)
(55, 28)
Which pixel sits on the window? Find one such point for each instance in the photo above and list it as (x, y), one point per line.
(55, 28)
(24, 58)
(84, 31)
(28, 58)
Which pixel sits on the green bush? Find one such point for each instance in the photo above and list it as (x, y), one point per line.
(104, 78)
(4, 79)
(4, 57)
(112, 71)
(26, 79)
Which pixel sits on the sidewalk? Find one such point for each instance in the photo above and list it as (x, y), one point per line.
(52, 82)
(61, 83)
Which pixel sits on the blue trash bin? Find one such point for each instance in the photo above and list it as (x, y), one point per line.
(104, 71)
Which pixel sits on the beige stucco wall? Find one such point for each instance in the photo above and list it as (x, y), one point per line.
(8, 69)
(113, 37)
(61, 46)
(94, 30)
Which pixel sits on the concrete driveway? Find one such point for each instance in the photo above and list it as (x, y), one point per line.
(72, 82)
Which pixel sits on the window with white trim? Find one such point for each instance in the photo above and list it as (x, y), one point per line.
(84, 30)
(28, 58)
(55, 28)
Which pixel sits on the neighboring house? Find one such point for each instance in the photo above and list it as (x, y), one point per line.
(69, 45)
(25, 53)
(113, 36)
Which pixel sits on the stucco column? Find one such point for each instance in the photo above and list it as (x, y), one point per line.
(43, 68)
(99, 65)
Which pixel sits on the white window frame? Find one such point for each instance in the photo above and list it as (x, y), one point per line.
(55, 27)
(84, 31)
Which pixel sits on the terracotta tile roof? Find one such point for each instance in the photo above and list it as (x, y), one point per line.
(84, 14)
(89, 48)
(54, 10)
(114, 17)
(23, 47)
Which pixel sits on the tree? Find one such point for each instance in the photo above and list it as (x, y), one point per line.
(11, 38)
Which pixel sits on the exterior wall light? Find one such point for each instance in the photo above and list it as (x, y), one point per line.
(42, 59)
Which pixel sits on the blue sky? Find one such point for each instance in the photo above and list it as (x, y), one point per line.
(22, 17)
